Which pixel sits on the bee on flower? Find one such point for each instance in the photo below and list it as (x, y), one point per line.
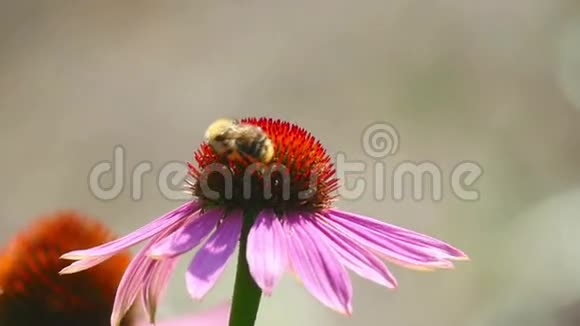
(235, 141)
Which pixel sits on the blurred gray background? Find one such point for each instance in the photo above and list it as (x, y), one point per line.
(496, 82)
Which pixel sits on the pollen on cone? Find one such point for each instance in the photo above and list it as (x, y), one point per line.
(33, 292)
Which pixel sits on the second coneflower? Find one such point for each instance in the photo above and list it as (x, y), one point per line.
(32, 292)
(269, 185)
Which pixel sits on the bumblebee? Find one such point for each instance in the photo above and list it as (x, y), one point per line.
(233, 140)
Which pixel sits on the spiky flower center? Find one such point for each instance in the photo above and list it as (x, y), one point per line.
(299, 177)
(33, 293)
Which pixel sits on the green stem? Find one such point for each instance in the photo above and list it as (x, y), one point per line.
(247, 294)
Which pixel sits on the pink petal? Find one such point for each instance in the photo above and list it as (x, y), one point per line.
(210, 261)
(317, 266)
(81, 265)
(188, 236)
(134, 279)
(266, 253)
(357, 258)
(392, 250)
(155, 284)
(143, 233)
(439, 247)
(216, 316)
(130, 285)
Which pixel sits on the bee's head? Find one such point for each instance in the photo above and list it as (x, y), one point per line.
(219, 128)
(216, 134)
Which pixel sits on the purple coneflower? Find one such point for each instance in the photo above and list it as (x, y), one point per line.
(282, 214)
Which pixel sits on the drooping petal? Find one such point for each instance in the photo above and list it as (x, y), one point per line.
(143, 233)
(317, 265)
(155, 284)
(210, 261)
(215, 316)
(188, 236)
(391, 250)
(266, 252)
(357, 258)
(135, 278)
(439, 247)
(130, 285)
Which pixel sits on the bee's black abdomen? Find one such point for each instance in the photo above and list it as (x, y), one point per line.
(253, 149)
